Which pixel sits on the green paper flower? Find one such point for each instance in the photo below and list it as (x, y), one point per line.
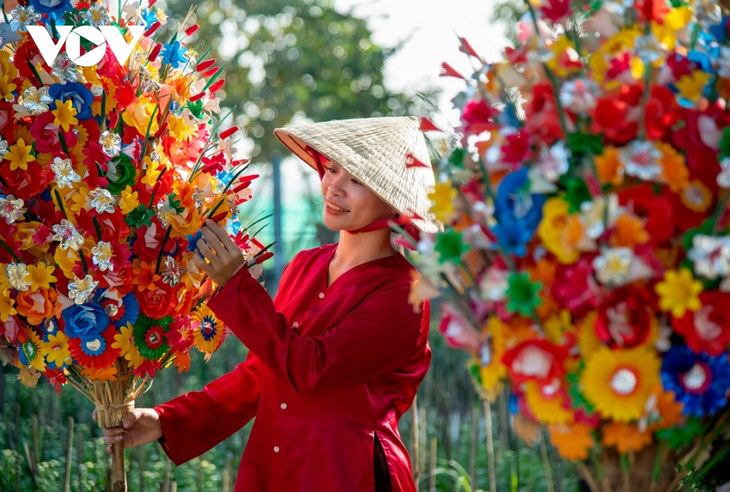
(450, 247)
(522, 294)
(149, 336)
(121, 174)
(140, 216)
(576, 192)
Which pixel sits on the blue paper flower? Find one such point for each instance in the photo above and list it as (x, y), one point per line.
(80, 96)
(50, 327)
(193, 241)
(149, 17)
(518, 212)
(85, 321)
(699, 381)
(173, 54)
(128, 312)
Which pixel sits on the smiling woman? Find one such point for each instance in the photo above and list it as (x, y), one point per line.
(336, 358)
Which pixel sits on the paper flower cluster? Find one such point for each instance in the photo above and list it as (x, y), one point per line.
(107, 175)
(585, 259)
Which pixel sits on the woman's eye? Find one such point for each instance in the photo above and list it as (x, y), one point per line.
(356, 181)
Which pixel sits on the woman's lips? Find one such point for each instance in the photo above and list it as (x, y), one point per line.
(333, 209)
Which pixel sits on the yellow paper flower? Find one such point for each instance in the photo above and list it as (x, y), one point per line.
(179, 129)
(152, 171)
(678, 292)
(493, 373)
(565, 59)
(6, 307)
(129, 200)
(32, 349)
(549, 409)
(572, 441)
(65, 114)
(40, 276)
(560, 232)
(7, 86)
(208, 330)
(674, 167)
(19, 155)
(139, 115)
(124, 339)
(618, 382)
(625, 437)
(691, 86)
(443, 197)
(56, 350)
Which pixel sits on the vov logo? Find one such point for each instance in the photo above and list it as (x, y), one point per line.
(71, 36)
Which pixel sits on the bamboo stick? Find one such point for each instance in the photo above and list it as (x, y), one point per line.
(415, 437)
(432, 470)
(69, 448)
(80, 459)
(546, 463)
(227, 476)
(473, 445)
(168, 468)
(423, 411)
(490, 446)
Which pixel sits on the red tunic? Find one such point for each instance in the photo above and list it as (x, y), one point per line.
(327, 369)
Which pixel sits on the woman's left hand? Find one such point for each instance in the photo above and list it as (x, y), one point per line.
(223, 255)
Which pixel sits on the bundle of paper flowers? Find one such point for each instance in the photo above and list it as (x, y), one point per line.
(107, 175)
(585, 260)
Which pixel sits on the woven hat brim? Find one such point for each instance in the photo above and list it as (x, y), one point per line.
(295, 139)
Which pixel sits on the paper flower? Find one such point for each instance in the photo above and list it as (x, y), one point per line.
(122, 313)
(95, 351)
(619, 382)
(625, 317)
(149, 336)
(450, 246)
(548, 402)
(85, 321)
(625, 437)
(699, 381)
(679, 292)
(522, 294)
(208, 331)
(572, 441)
(56, 350)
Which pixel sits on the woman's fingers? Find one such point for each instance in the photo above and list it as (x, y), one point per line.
(112, 439)
(200, 261)
(207, 252)
(222, 235)
(213, 240)
(114, 431)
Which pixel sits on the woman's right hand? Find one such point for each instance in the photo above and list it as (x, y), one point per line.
(140, 426)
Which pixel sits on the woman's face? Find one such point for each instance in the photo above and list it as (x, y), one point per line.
(348, 204)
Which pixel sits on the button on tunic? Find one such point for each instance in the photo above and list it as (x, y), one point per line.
(321, 387)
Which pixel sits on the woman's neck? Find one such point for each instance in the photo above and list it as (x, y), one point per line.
(355, 249)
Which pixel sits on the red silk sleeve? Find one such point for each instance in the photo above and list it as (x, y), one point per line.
(196, 421)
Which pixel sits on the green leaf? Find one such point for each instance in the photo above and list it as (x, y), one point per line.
(457, 157)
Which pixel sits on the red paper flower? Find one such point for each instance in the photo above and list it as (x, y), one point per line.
(556, 10)
(477, 117)
(535, 360)
(542, 117)
(25, 184)
(517, 148)
(655, 209)
(708, 328)
(97, 352)
(575, 289)
(159, 302)
(625, 317)
(46, 133)
(56, 378)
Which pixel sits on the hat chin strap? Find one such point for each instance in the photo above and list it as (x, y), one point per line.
(402, 221)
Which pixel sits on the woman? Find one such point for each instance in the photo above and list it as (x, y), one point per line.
(336, 358)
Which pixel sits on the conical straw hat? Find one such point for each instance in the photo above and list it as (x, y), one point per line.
(388, 155)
